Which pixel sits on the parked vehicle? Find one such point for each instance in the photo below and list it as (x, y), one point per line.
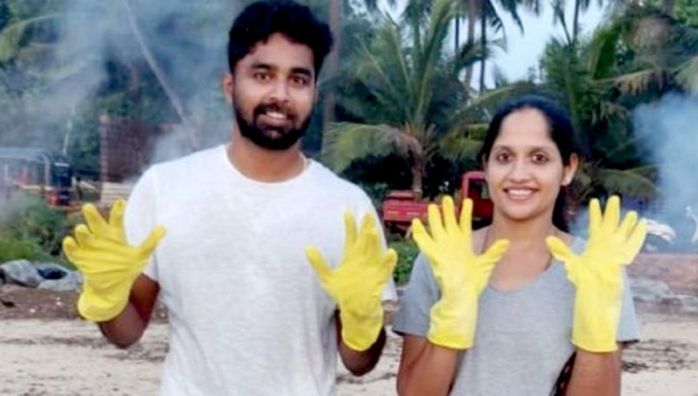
(43, 172)
(400, 207)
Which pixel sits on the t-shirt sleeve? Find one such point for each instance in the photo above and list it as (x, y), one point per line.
(420, 295)
(140, 217)
(628, 328)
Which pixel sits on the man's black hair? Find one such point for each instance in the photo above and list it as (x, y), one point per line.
(296, 22)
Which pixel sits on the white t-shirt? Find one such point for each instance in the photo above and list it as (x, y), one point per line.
(247, 313)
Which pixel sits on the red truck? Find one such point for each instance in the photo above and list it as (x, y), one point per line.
(400, 207)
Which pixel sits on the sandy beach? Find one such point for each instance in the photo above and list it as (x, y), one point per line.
(63, 357)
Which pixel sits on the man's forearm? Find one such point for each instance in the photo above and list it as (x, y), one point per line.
(125, 329)
(128, 327)
(595, 374)
(360, 363)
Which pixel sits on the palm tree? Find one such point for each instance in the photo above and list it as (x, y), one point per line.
(405, 97)
(637, 57)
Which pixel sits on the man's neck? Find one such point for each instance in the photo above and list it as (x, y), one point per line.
(265, 165)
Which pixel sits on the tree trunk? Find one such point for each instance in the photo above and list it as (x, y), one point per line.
(668, 7)
(330, 100)
(70, 126)
(575, 21)
(150, 60)
(417, 172)
(472, 18)
(483, 43)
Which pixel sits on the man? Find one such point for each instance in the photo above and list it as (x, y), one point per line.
(248, 314)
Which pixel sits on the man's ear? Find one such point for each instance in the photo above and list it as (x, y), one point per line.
(228, 83)
(569, 171)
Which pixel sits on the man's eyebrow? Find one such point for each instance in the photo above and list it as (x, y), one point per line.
(302, 70)
(261, 65)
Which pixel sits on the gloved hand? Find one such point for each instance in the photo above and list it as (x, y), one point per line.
(597, 273)
(460, 273)
(108, 264)
(357, 283)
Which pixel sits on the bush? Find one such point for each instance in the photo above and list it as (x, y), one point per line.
(407, 252)
(30, 220)
(22, 249)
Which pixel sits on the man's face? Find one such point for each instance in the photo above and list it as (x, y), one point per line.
(273, 92)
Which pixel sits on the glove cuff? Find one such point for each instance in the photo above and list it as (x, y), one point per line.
(453, 323)
(359, 333)
(98, 308)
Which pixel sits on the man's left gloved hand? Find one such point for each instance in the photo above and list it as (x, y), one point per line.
(357, 283)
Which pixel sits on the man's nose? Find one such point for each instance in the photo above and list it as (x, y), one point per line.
(280, 91)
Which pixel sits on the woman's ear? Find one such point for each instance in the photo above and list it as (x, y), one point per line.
(569, 170)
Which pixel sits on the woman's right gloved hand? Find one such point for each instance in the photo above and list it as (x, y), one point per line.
(107, 262)
(460, 273)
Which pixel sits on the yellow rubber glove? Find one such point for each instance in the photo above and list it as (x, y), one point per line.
(460, 273)
(357, 283)
(597, 273)
(108, 264)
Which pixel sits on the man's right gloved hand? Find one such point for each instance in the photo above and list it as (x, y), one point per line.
(460, 273)
(108, 264)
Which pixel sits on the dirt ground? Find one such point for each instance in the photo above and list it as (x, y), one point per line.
(46, 351)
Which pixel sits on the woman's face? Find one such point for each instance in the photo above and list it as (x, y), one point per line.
(525, 170)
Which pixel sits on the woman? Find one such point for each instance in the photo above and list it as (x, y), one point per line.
(481, 317)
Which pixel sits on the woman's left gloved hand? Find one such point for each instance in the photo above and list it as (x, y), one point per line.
(597, 273)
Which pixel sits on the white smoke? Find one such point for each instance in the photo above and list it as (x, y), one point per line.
(668, 133)
(187, 40)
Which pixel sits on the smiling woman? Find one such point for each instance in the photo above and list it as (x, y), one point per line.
(514, 308)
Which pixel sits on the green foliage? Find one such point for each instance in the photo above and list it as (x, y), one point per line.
(401, 94)
(22, 249)
(407, 252)
(31, 220)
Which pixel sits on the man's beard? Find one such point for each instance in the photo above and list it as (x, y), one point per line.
(270, 138)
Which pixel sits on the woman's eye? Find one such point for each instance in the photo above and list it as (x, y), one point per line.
(540, 158)
(503, 157)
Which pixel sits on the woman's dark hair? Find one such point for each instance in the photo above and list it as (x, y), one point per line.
(561, 132)
(296, 22)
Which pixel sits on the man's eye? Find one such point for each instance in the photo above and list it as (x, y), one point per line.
(262, 76)
(302, 81)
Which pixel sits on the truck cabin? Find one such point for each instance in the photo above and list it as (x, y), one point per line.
(35, 170)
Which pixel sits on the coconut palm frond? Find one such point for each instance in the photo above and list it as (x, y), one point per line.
(460, 146)
(639, 81)
(350, 141)
(12, 35)
(687, 75)
(630, 182)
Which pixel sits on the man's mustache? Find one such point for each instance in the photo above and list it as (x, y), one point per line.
(275, 107)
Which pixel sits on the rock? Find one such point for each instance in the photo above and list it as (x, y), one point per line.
(72, 281)
(689, 304)
(651, 291)
(52, 271)
(21, 272)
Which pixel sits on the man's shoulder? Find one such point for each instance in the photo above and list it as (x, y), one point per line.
(333, 183)
(198, 160)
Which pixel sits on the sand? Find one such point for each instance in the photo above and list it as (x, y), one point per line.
(61, 357)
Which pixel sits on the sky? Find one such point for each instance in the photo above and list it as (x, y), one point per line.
(524, 50)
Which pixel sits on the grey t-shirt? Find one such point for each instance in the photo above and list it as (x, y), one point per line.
(523, 336)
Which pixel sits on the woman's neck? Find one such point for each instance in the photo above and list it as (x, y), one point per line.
(529, 233)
